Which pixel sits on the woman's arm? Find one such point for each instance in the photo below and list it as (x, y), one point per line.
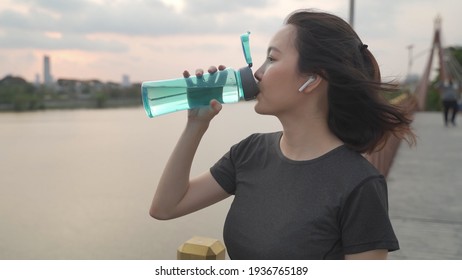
(176, 194)
(381, 254)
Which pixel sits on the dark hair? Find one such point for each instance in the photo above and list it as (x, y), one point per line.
(357, 112)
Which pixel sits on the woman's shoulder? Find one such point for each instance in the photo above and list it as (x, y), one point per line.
(256, 143)
(261, 138)
(353, 167)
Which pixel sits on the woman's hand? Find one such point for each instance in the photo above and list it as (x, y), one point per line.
(204, 114)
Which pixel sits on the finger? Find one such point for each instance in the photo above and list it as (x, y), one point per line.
(216, 106)
(221, 80)
(212, 69)
(221, 67)
(212, 76)
(199, 72)
(186, 74)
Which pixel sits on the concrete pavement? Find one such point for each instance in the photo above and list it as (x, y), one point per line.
(425, 191)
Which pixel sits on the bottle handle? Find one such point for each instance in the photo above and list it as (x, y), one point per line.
(246, 47)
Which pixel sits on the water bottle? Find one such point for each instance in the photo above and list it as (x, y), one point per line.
(226, 86)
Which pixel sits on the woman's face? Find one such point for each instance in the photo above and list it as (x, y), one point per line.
(279, 78)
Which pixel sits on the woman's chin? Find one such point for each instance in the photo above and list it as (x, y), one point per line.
(260, 110)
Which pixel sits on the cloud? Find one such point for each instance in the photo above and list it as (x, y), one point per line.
(136, 17)
(76, 20)
(36, 40)
(57, 5)
(152, 28)
(210, 8)
(33, 20)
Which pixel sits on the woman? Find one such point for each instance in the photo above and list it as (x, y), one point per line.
(305, 192)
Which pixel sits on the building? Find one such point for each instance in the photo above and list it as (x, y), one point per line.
(126, 81)
(47, 78)
(37, 80)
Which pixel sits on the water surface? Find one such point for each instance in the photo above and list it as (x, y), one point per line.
(78, 184)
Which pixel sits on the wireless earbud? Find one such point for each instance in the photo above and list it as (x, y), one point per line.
(307, 83)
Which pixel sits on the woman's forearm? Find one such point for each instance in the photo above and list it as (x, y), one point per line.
(174, 181)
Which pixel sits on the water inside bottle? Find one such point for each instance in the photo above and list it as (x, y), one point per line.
(169, 96)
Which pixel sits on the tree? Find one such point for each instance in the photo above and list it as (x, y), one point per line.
(16, 93)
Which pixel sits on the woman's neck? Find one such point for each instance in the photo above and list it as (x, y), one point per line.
(307, 140)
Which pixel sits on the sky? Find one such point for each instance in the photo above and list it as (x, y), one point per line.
(159, 39)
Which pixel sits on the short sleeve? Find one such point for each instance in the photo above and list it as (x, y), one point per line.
(364, 220)
(224, 173)
(225, 169)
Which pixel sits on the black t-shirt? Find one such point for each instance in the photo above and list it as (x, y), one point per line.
(323, 208)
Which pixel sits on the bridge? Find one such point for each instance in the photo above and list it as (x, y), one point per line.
(425, 181)
(425, 192)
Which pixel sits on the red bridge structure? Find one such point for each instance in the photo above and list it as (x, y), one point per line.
(425, 181)
(449, 68)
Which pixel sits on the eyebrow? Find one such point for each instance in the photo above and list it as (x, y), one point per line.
(271, 48)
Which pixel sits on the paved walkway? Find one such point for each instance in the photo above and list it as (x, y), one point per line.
(425, 192)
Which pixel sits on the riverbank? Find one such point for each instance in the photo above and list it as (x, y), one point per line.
(74, 104)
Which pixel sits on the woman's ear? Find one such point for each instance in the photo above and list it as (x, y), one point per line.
(312, 80)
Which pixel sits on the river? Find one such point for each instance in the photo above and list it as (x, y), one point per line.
(77, 184)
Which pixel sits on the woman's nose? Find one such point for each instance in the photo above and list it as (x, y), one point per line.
(259, 74)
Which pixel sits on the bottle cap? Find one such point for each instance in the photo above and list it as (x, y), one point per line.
(249, 85)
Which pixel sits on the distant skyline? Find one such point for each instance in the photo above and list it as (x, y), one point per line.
(47, 77)
(158, 39)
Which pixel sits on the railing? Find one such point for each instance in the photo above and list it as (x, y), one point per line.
(383, 159)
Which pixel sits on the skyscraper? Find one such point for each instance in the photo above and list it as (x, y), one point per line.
(47, 79)
(126, 81)
(37, 80)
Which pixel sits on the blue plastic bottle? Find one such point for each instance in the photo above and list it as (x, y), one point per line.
(227, 86)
